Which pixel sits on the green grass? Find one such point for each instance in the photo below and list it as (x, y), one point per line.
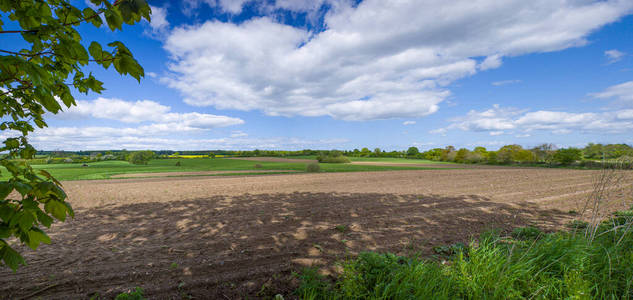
(106, 169)
(559, 265)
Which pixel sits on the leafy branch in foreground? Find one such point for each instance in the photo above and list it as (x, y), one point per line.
(33, 81)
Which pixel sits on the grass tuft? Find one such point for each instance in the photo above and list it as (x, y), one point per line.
(529, 265)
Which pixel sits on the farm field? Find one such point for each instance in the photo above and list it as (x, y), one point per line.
(189, 167)
(234, 237)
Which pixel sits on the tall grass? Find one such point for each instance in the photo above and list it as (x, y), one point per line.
(544, 266)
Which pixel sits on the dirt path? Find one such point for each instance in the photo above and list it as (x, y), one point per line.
(219, 238)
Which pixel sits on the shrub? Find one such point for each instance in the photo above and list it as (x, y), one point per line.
(313, 168)
(141, 157)
(333, 159)
(567, 156)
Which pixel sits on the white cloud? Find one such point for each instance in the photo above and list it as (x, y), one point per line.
(497, 120)
(405, 123)
(491, 62)
(144, 111)
(101, 138)
(238, 134)
(505, 82)
(623, 93)
(159, 19)
(614, 55)
(378, 60)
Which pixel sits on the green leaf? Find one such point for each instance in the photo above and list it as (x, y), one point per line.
(96, 51)
(22, 188)
(114, 19)
(26, 222)
(6, 212)
(45, 219)
(5, 231)
(50, 177)
(37, 236)
(5, 189)
(57, 209)
(11, 258)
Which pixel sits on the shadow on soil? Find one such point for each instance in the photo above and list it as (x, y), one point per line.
(246, 246)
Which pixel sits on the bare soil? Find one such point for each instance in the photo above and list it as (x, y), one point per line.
(242, 237)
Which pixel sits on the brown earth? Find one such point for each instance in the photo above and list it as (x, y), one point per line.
(238, 237)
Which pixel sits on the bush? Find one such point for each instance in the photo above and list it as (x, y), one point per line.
(313, 168)
(141, 157)
(333, 159)
(567, 156)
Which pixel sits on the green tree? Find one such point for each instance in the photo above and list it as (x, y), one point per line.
(36, 80)
(413, 152)
(544, 152)
(567, 156)
(141, 157)
(365, 152)
(508, 153)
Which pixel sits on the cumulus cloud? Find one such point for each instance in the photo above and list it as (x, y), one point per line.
(159, 18)
(498, 120)
(377, 60)
(614, 55)
(622, 93)
(145, 111)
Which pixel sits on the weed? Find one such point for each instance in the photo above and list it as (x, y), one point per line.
(313, 168)
(526, 233)
(341, 228)
(577, 224)
(137, 294)
(173, 265)
(450, 250)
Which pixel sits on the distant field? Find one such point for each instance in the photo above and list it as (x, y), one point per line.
(106, 169)
(381, 159)
(397, 160)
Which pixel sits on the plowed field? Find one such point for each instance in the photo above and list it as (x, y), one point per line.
(243, 236)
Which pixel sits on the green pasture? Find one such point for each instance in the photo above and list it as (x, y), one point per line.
(106, 169)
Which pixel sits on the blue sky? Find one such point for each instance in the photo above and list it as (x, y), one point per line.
(284, 74)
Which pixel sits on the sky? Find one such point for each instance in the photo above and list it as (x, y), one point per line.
(342, 74)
